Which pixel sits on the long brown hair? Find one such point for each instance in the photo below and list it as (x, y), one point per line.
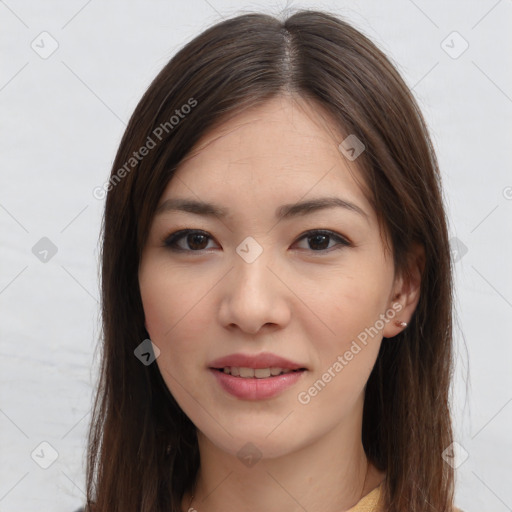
(142, 451)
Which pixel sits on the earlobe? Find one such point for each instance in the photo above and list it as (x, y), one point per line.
(407, 292)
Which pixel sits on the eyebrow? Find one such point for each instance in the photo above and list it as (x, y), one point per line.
(285, 211)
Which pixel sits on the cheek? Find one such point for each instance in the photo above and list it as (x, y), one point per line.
(176, 318)
(353, 300)
(169, 298)
(157, 301)
(351, 307)
(345, 358)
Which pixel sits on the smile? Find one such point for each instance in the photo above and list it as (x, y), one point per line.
(258, 373)
(256, 383)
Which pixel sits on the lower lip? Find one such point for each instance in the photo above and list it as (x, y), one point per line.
(253, 388)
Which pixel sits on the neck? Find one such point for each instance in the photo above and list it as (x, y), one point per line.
(331, 474)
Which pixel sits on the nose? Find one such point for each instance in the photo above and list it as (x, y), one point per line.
(254, 296)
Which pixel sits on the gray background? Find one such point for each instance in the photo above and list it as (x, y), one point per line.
(62, 120)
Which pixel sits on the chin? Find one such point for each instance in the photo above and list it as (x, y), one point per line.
(255, 441)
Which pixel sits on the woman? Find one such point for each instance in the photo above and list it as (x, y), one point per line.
(276, 284)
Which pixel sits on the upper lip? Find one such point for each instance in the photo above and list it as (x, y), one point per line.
(264, 360)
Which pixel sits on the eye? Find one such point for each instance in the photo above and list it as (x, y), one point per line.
(194, 240)
(319, 240)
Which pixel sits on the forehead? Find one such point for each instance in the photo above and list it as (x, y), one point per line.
(294, 119)
(285, 148)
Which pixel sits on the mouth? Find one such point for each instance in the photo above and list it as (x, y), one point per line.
(256, 376)
(247, 383)
(256, 373)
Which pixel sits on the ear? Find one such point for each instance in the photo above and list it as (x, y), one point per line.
(406, 292)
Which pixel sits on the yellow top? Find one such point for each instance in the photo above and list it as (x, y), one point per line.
(369, 502)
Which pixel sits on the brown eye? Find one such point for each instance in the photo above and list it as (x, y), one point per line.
(319, 241)
(194, 240)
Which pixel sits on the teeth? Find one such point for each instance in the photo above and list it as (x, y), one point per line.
(247, 372)
(250, 373)
(261, 373)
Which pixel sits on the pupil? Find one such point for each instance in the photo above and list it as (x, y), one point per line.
(317, 237)
(196, 240)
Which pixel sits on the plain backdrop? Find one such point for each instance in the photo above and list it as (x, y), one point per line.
(71, 74)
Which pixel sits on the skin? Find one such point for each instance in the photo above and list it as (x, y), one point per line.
(295, 300)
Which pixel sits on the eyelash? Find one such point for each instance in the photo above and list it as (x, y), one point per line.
(171, 240)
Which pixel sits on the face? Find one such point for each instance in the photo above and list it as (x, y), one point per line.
(312, 285)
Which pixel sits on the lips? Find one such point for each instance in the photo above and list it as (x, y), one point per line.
(259, 377)
(259, 361)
